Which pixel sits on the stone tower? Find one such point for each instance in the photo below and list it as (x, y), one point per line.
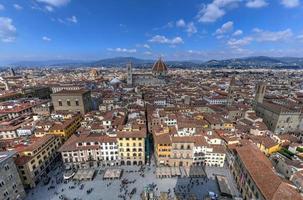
(231, 91)
(129, 74)
(260, 92)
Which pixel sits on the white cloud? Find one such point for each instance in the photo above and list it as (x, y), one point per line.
(238, 32)
(2, 7)
(147, 53)
(146, 46)
(180, 23)
(72, 19)
(7, 30)
(166, 26)
(213, 11)
(238, 43)
(300, 37)
(47, 39)
(256, 3)
(163, 40)
(18, 7)
(191, 28)
(227, 27)
(290, 3)
(55, 3)
(49, 8)
(270, 36)
(122, 50)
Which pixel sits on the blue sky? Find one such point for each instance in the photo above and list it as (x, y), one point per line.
(173, 29)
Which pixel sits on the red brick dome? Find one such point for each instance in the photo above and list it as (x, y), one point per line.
(159, 66)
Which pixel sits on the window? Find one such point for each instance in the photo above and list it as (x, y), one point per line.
(6, 167)
(77, 102)
(1, 183)
(68, 103)
(60, 103)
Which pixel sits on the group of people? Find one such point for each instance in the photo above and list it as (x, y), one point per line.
(124, 189)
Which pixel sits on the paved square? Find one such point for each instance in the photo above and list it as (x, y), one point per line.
(136, 183)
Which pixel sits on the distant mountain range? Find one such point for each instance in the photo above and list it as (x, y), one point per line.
(259, 61)
(247, 62)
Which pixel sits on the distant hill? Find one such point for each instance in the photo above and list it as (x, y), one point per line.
(120, 61)
(46, 63)
(246, 62)
(258, 61)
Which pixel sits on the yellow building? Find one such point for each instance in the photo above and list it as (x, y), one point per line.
(35, 157)
(266, 144)
(228, 125)
(132, 146)
(66, 128)
(268, 150)
(162, 145)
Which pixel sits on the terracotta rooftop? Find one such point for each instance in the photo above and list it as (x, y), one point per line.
(71, 143)
(132, 134)
(159, 66)
(261, 171)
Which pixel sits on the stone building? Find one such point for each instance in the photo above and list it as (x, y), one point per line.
(278, 117)
(72, 100)
(182, 151)
(10, 183)
(260, 92)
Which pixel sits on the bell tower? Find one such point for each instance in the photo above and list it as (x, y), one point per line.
(129, 74)
(260, 92)
(231, 91)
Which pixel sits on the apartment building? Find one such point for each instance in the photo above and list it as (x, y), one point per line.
(162, 145)
(132, 146)
(66, 127)
(182, 151)
(11, 186)
(90, 150)
(35, 157)
(255, 177)
(208, 154)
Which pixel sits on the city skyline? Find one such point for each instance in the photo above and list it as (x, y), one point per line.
(175, 30)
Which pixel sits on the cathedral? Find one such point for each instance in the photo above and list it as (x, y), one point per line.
(157, 77)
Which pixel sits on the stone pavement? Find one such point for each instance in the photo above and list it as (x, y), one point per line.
(111, 189)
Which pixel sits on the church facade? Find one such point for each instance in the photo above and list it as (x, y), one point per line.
(157, 77)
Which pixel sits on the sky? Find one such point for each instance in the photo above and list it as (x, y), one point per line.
(172, 29)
